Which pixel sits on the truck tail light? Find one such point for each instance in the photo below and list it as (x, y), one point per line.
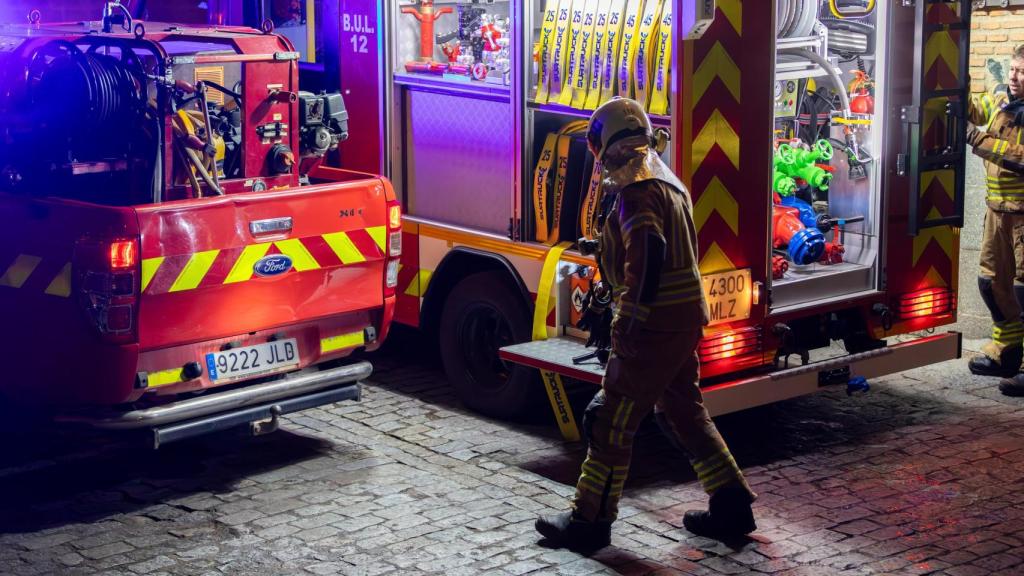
(731, 344)
(106, 286)
(394, 250)
(122, 254)
(928, 302)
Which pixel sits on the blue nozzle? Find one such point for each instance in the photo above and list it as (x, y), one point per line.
(807, 246)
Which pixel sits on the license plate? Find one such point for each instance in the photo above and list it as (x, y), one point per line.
(251, 360)
(728, 295)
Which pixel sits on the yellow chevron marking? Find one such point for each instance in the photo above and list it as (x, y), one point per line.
(715, 260)
(19, 271)
(342, 341)
(933, 279)
(941, 44)
(733, 10)
(165, 377)
(942, 235)
(716, 63)
(945, 177)
(418, 287)
(149, 269)
(379, 235)
(61, 284)
(242, 270)
(344, 248)
(193, 273)
(716, 198)
(716, 131)
(302, 260)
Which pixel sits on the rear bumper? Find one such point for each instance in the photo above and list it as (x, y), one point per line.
(554, 356)
(229, 405)
(784, 384)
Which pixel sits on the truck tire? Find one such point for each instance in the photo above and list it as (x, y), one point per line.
(481, 315)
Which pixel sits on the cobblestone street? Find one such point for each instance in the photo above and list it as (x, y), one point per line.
(922, 475)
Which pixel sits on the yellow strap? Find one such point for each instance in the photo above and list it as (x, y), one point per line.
(564, 142)
(645, 47)
(547, 37)
(600, 32)
(560, 405)
(575, 51)
(588, 227)
(540, 187)
(581, 78)
(552, 381)
(560, 52)
(560, 180)
(612, 45)
(627, 52)
(547, 281)
(662, 68)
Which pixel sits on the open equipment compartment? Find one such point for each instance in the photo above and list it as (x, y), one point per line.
(830, 92)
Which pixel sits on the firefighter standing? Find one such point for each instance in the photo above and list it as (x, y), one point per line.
(1001, 278)
(648, 255)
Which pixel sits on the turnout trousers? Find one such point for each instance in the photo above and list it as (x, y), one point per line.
(663, 376)
(1001, 279)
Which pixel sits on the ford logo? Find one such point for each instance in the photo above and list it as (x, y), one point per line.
(272, 265)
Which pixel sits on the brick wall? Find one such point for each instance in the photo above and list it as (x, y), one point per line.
(994, 34)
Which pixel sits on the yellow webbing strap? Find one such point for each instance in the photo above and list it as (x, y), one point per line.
(662, 68)
(563, 168)
(581, 79)
(547, 280)
(627, 50)
(609, 52)
(574, 49)
(646, 40)
(540, 188)
(564, 141)
(547, 37)
(560, 51)
(560, 405)
(589, 206)
(544, 222)
(594, 75)
(552, 381)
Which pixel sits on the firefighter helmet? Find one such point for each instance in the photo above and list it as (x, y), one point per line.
(614, 120)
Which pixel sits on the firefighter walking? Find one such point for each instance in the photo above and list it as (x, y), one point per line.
(1001, 276)
(647, 253)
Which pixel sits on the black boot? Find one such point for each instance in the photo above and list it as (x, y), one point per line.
(728, 515)
(1007, 366)
(1012, 386)
(566, 531)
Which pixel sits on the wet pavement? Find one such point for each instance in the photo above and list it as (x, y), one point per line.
(924, 474)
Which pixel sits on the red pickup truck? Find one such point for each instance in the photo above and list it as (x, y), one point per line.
(173, 254)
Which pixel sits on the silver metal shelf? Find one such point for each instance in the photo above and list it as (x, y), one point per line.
(657, 120)
(442, 85)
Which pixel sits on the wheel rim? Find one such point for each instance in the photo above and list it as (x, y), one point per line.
(483, 331)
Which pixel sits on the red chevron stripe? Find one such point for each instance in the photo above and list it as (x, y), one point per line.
(221, 267)
(43, 274)
(321, 251)
(941, 13)
(167, 274)
(365, 244)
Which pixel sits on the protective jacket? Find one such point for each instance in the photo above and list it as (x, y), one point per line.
(648, 217)
(1002, 149)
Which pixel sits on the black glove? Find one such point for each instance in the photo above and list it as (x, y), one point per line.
(597, 315)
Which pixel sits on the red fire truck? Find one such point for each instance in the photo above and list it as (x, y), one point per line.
(174, 255)
(824, 155)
